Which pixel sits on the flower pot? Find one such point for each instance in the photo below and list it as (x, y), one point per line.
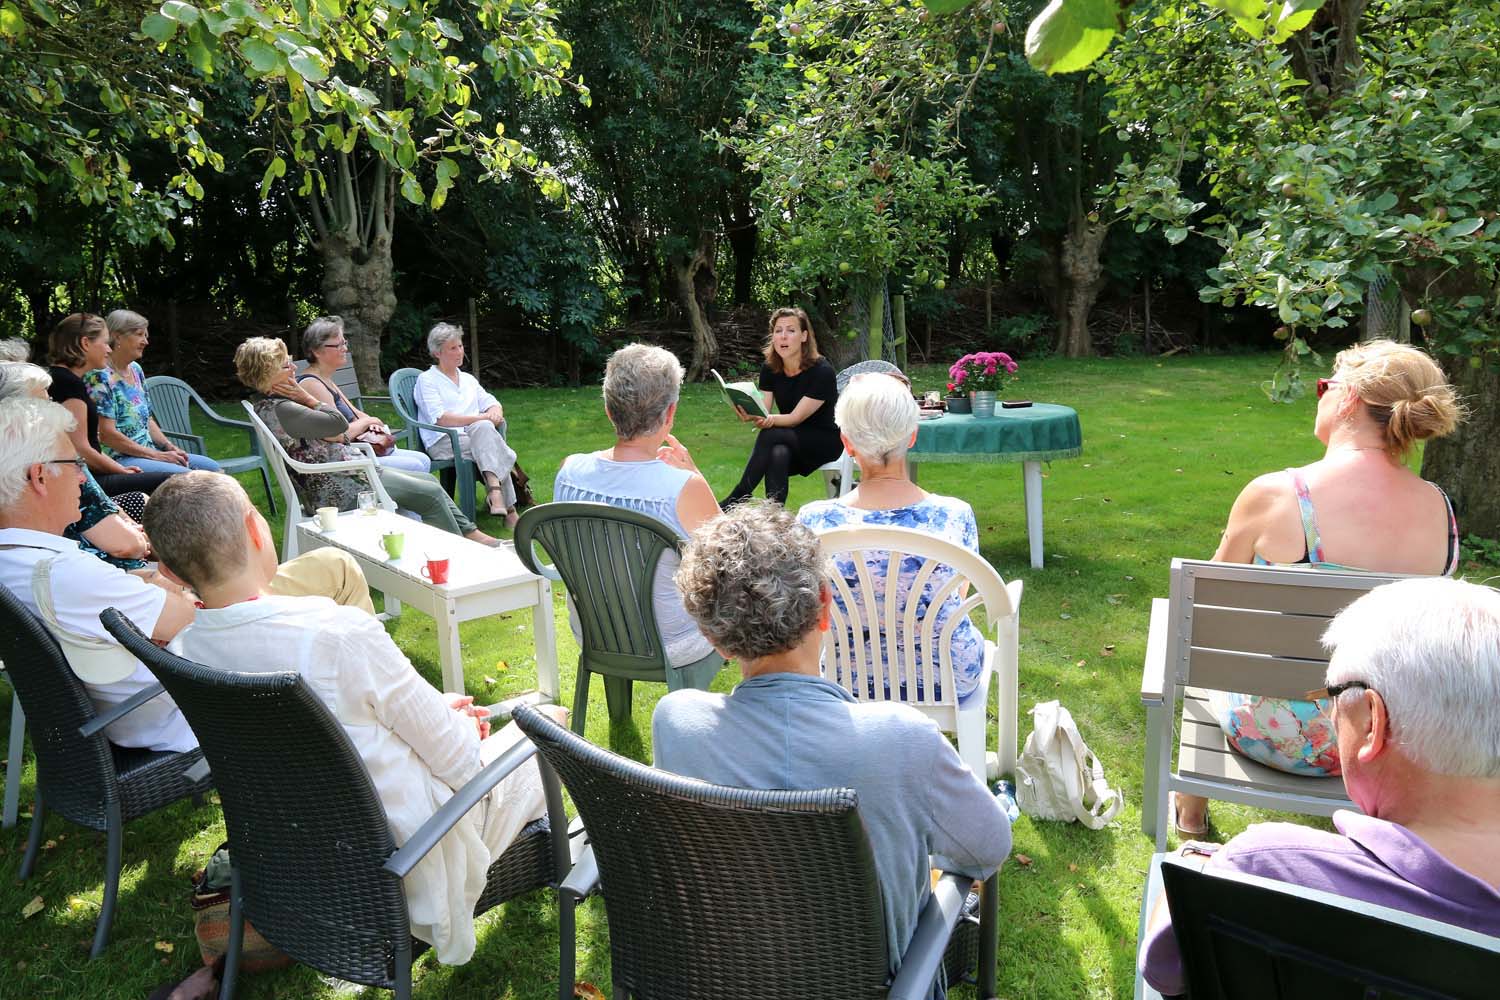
(984, 403)
(958, 404)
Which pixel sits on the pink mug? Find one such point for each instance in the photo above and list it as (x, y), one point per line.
(436, 570)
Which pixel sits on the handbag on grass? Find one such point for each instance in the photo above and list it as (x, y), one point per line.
(1058, 776)
(210, 902)
(522, 483)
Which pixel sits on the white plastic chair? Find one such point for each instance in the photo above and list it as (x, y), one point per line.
(281, 463)
(885, 617)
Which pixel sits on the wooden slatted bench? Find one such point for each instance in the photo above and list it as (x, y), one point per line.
(1232, 627)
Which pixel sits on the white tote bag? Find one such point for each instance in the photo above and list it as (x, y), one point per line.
(1058, 776)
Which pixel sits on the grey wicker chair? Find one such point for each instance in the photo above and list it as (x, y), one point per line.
(741, 894)
(81, 776)
(316, 870)
(1242, 936)
(607, 558)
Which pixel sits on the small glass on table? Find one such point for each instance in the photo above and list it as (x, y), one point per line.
(368, 504)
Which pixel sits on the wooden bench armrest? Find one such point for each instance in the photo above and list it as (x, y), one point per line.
(1154, 670)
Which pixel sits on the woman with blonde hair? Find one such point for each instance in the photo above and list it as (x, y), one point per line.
(313, 431)
(1358, 507)
(800, 385)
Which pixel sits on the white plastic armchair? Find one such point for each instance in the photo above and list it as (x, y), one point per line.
(282, 465)
(863, 610)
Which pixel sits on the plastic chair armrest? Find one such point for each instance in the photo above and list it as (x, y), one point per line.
(192, 442)
(100, 722)
(583, 880)
(1154, 670)
(924, 955)
(439, 823)
(221, 420)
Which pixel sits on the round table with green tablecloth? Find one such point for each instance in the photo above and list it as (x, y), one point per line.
(1030, 435)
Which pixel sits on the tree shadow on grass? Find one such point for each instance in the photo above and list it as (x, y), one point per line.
(1092, 852)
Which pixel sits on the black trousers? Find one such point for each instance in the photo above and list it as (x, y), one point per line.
(779, 454)
(115, 483)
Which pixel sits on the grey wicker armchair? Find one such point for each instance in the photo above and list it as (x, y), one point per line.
(315, 868)
(81, 776)
(741, 894)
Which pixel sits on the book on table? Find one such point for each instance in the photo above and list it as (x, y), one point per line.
(742, 394)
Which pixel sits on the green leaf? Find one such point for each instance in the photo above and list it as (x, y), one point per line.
(276, 168)
(200, 56)
(1249, 9)
(262, 58)
(447, 29)
(1463, 227)
(157, 28)
(946, 6)
(411, 190)
(45, 12)
(1295, 15)
(1058, 40)
(184, 14)
(12, 24)
(331, 9)
(1176, 234)
(308, 62)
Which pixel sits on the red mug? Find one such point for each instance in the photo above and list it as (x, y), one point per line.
(436, 570)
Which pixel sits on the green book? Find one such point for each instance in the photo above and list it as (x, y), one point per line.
(742, 394)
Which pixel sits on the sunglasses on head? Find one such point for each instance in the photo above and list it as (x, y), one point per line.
(1323, 385)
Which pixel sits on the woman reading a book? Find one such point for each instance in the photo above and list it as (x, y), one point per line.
(801, 436)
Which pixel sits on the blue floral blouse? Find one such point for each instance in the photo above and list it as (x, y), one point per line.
(122, 398)
(945, 517)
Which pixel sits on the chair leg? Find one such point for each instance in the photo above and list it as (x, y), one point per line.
(236, 936)
(567, 947)
(34, 840)
(1150, 778)
(580, 699)
(403, 970)
(114, 834)
(989, 935)
(14, 764)
(265, 480)
(619, 692)
(465, 475)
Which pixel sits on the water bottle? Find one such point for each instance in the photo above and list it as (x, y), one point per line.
(1005, 791)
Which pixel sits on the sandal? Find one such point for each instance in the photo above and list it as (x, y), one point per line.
(489, 499)
(1183, 832)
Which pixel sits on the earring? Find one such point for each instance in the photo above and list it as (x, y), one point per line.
(823, 622)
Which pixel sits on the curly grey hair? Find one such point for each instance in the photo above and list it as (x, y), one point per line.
(640, 382)
(14, 349)
(22, 378)
(440, 335)
(753, 579)
(319, 332)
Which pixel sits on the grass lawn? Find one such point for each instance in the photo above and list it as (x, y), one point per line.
(1167, 445)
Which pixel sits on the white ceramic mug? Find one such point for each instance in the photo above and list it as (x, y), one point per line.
(328, 518)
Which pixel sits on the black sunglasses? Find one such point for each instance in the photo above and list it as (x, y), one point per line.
(1334, 690)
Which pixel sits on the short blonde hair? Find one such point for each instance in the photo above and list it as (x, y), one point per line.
(753, 579)
(878, 414)
(1404, 390)
(259, 360)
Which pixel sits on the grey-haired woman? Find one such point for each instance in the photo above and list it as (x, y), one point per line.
(449, 397)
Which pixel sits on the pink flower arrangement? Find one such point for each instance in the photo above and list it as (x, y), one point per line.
(982, 371)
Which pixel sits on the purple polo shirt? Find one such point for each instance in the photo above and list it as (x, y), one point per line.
(1374, 860)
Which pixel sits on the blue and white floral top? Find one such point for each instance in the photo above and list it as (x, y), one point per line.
(945, 517)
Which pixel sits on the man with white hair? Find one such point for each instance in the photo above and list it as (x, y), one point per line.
(41, 479)
(1415, 683)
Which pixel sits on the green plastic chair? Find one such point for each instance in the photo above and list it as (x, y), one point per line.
(457, 474)
(607, 559)
(172, 401)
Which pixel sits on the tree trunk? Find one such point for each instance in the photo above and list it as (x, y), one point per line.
(359, 285)
(1080, 276)
(875, 335)
(744, 241)
(38, 302)
(1467, 462)
(696, 284)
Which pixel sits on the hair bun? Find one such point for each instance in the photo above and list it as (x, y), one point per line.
(1430, 415)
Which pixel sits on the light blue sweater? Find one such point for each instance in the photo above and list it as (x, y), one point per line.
(795, 731)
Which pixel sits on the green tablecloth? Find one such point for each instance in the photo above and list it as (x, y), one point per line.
(1037, 433)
